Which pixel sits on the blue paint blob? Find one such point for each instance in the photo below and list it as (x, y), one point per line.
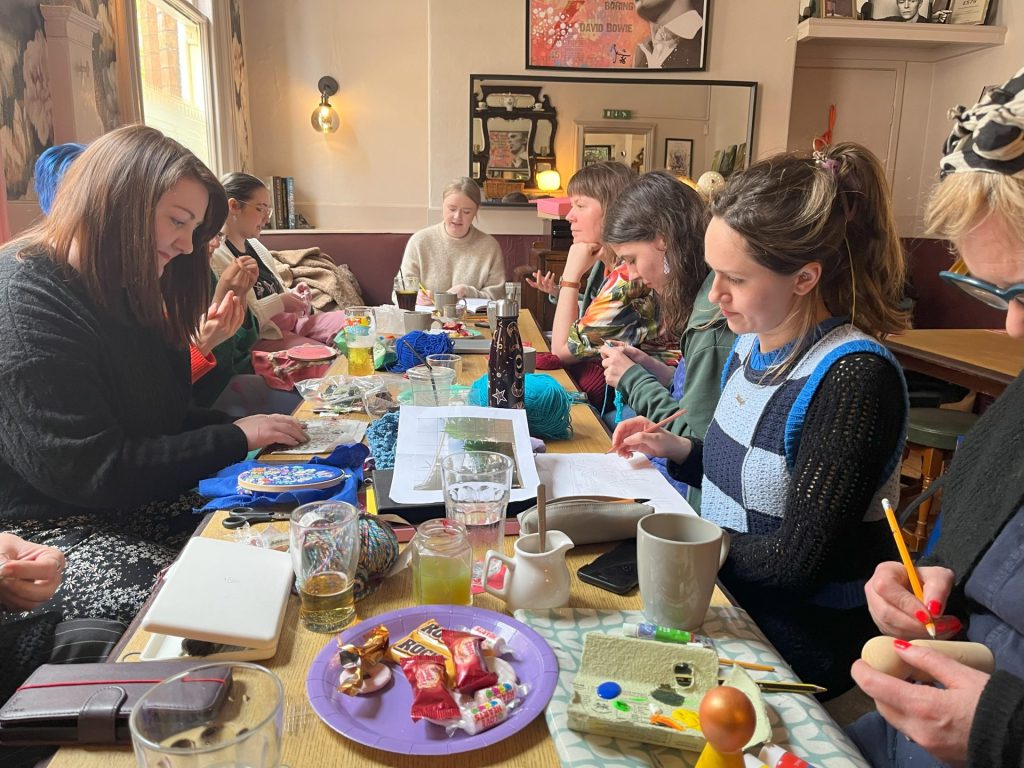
(609, 689)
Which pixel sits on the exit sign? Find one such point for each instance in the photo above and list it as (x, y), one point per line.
(618, 114)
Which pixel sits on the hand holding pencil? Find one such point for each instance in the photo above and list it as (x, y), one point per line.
(642, 434)
(899, 610)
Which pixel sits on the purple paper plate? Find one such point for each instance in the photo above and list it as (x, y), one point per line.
(381, 720)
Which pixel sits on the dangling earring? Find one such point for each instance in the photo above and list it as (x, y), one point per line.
(665, 266)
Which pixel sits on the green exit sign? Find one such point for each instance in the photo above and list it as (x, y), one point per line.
(618, 114)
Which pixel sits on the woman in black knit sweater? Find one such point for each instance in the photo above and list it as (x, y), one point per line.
(975, 577)
(97, 306)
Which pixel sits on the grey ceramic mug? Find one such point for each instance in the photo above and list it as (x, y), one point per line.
(678, 557)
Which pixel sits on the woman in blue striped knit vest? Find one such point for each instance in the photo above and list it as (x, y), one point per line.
(809, 430)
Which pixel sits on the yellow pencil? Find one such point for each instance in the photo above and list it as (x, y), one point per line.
(901, 545)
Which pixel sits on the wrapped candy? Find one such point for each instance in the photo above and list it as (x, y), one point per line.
(358, 663)
(476, 718)
(431, 698)
(506, 693)
(494, 644)
(471, 672)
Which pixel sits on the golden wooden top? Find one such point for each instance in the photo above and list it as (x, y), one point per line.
(308, 742)
(980, 352)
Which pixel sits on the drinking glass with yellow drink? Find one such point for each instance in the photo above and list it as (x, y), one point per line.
(359, 335)
(324, 545)
(442, 564)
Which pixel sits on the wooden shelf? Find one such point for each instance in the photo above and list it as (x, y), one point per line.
(925, 42)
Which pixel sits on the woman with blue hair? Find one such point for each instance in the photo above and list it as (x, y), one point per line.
(50, 169)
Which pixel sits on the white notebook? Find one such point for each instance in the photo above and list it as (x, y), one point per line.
(221, 592)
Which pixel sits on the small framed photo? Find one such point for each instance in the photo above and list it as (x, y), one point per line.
(904, 11)
(968, 11)
(839, 9)
(596, 153)
(679, 156)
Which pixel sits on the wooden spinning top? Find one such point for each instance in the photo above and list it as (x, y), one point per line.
(727, 719)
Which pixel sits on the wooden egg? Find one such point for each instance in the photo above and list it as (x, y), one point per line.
(727, 718)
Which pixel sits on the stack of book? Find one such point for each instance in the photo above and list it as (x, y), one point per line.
(282, 197)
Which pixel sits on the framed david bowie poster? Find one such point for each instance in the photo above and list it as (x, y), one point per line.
(667, 35)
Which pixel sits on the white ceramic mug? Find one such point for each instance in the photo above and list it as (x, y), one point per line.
(678, 557)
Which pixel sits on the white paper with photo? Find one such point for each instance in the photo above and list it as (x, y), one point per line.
(605, 474)
(426, 435)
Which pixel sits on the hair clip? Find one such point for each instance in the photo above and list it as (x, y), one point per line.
(830, 164)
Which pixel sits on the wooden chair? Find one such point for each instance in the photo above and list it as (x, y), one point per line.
(932, 433)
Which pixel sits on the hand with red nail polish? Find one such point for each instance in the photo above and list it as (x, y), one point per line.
(892, 603)
(938, 719)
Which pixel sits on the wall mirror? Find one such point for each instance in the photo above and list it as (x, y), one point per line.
(512, 127)
(679, 125)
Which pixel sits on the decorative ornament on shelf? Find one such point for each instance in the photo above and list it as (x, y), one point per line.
(549, 180)
(324, 118)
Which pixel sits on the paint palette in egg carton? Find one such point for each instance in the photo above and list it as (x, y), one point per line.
(658, 688)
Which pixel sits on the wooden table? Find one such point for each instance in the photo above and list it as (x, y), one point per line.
(308, 742)
(979, 359)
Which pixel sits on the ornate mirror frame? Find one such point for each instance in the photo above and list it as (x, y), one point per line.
(512, 135)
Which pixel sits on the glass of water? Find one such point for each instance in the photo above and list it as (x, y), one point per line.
(214, 715)
(477, 485)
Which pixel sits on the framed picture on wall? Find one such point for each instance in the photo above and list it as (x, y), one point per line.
(596, 153)
(636, 34)
(679, 156)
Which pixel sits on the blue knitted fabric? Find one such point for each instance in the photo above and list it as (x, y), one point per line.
(382, 435)
(413, 348)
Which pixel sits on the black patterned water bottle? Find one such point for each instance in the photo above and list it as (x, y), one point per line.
(505, 378)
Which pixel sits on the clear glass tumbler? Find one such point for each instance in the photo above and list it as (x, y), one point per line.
(212, 716)
(430, 386)
(324, 545)
(477, 485)
(447, 361)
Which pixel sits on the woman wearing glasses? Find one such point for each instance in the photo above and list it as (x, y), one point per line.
(974, 579)
(284, 316)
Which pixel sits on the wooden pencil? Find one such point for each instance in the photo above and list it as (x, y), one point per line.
(901, 545)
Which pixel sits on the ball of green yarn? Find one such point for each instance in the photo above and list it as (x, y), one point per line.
(547, 405)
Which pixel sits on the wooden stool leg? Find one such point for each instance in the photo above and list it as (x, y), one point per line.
(931, 468)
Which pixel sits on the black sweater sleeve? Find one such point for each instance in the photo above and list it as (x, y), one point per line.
(997, 733)
(850, 433)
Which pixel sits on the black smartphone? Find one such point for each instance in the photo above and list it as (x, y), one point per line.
(615, 570)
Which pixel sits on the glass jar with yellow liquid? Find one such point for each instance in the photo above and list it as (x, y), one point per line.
(442, 563)
(359, 336)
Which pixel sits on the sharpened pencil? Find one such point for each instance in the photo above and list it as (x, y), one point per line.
(901, 545)
(659, 425)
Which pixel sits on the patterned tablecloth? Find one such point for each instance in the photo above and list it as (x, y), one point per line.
(799, 722)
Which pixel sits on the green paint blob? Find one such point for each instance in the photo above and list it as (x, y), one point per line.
(621, 706)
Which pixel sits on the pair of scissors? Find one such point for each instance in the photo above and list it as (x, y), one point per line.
(239, 516)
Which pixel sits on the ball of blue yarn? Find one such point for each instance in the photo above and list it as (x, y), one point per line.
(381, 436)
(422, 343)
(547, 405)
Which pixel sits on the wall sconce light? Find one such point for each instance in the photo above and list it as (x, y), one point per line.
(549, 181)
(324, 118)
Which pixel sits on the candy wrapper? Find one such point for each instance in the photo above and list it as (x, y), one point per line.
(471, 672)
(430, 695)
(358, 662)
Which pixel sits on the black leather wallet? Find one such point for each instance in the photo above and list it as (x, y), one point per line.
(91, 703)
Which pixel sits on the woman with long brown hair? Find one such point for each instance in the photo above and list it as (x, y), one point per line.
(100, 300)
(808, 433)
